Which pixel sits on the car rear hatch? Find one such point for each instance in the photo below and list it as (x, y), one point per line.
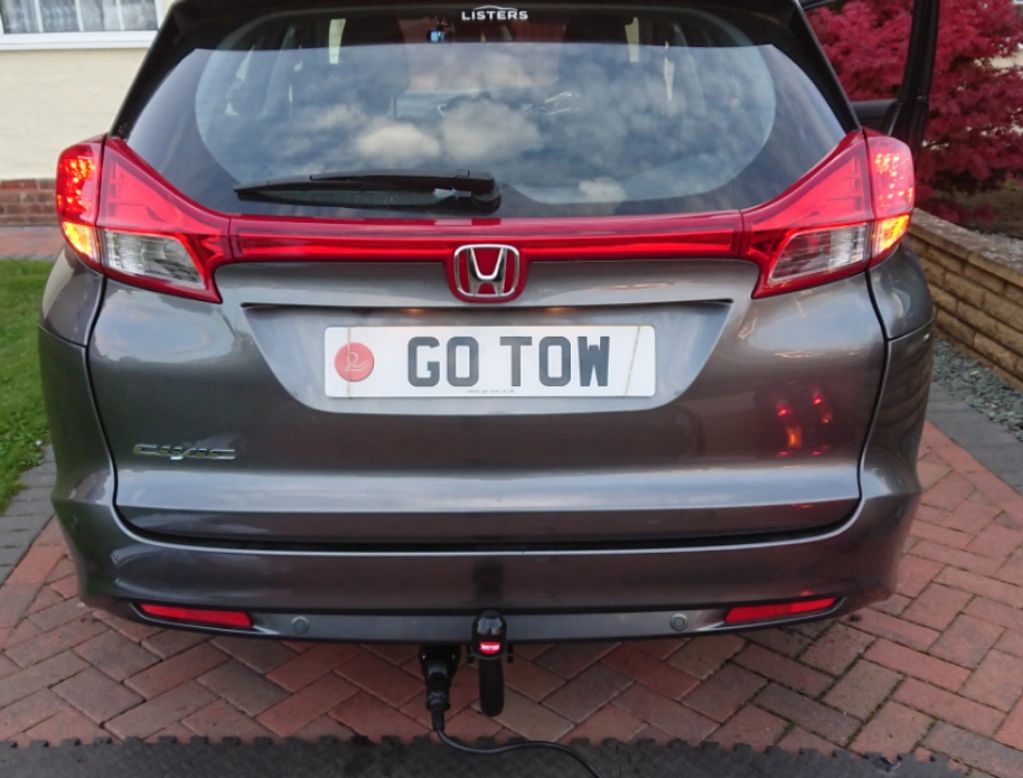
(588, 352)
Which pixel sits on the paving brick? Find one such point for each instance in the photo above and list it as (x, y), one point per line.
(611, 721)
(161, 711)
(972, 516)
(937, 606)
(702, 656)
(45, 598)
(1011, 731)
(665, 714)
(724, 693)
(862, 689)
(915, 573)
(169, 642)
(570, 659)
(831, 724)
(15, 599)
(36, 564)
(783, 640)
(532, 720)
(95, 695)
(395, 653)
(975, 750)
(115, 655)
(660, 649)
(750, 726)
(996, 613)
(7, 667)
(39, 676)
(306, 667)
(296, 711)
(997, 682)
(798, 739)
(966, 641)
(910, 662)
(948, 707)
(930, 473)
(658, 675)
(66, 587)
(66, 725)
(59, 614)
(370, 717)
(530, 679)
(133, 630)
(893, 731)
(219, 720)
(990, 588)
(893, 606)
(261, 655)
(996, 541)
(1011, 642)
(949, 492)
(380, 678)
(938, 534)
(836, 649)
(324, 726)
(59, 640)
(783, 670)
(470, 725)
(956, 557)
(587, 692)
(28, 712)
(177, 670)
(26, 630)
(245, 689)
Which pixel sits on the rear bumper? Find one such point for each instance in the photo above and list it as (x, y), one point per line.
(557, 594)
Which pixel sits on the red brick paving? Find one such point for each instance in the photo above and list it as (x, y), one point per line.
(937, 668)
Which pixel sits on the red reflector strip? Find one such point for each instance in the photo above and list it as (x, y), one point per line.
(490, 648)
(747, 613)
(213, 618)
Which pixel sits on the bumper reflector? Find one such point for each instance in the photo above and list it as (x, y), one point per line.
(212, 618)
(778, 610)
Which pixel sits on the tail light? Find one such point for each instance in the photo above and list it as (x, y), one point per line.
(124, 219)
(848, 213)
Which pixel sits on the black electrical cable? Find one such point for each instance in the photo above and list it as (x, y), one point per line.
(438, 728)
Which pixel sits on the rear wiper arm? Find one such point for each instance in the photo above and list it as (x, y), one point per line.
(481, 186)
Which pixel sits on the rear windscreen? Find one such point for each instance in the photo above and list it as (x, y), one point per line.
(572, 109)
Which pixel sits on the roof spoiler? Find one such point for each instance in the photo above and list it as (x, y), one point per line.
(906, 117)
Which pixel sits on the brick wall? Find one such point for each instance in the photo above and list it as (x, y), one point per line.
(977, 284)
(27, 201)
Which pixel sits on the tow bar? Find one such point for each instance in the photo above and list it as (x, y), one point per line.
(488, 648)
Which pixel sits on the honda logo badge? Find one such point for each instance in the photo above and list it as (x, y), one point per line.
(487, 273)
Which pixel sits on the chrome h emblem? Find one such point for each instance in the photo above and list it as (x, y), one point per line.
(486, 272)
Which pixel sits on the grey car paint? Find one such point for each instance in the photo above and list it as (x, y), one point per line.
(347, 570)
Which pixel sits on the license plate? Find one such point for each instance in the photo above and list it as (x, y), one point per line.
(590, 361)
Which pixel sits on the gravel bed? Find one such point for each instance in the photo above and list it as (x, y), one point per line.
(977, 386)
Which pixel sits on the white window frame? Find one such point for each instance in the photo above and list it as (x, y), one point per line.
(108, 39)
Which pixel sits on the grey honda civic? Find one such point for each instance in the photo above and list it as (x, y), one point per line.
(445, 323)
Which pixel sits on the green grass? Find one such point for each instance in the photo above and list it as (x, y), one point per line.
(22, 420)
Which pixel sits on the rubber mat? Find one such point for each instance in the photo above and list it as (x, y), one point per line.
(424, 759)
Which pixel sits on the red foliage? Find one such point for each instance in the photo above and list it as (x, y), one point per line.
(974, 141)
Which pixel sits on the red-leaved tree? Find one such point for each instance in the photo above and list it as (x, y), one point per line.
(975, 136)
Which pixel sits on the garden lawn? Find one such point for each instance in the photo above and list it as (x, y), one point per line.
(22, 421)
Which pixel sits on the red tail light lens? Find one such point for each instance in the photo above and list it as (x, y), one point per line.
(748, 614)
(77, 197)
(893, 181)
(203, 616)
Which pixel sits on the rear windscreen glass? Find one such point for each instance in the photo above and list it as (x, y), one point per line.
(573, 110)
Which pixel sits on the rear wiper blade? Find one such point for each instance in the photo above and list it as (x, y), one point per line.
(481, 186)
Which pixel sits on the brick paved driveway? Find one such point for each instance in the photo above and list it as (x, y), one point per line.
(938, 667)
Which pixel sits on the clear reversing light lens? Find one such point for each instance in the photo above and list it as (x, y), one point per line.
(822, 251)
(164, 259)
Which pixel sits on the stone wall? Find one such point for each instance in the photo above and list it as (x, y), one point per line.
(977, 284)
